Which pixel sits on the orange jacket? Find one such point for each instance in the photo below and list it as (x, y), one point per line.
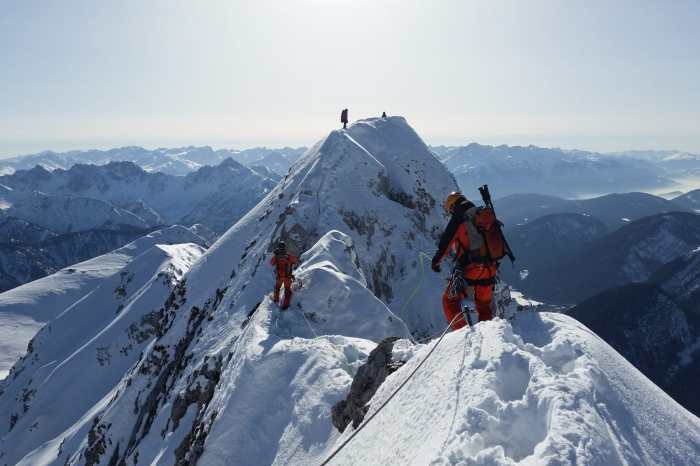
(473, 270)
(456, 237)
(284, 264)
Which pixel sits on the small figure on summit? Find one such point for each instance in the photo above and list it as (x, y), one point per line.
(344, 118)
(476, 237)
(383, 114)
(284, 263)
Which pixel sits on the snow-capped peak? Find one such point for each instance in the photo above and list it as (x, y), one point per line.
(378, 183)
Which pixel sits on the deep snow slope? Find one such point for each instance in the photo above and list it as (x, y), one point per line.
(25, 309)
(543, 390)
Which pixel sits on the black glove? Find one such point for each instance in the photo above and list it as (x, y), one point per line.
(435, 264)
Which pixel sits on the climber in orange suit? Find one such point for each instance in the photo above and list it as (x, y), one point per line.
(284, 264)
(477, 273)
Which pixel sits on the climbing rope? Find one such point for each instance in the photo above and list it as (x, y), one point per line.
(421, 255)
(308, 323)
(413, 372)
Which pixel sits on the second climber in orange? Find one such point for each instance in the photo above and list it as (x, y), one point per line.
(473, 266)
(284, 264)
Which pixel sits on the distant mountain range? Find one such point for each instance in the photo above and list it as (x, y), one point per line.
(516, 169)
(508, 169)
(614, 210)
(92, 196)
(594, 263)
(675, 163)
(689, 200)
(176, 161)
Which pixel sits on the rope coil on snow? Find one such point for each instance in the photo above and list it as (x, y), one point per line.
(413, 372)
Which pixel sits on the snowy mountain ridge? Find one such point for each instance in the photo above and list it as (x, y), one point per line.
(214, 373)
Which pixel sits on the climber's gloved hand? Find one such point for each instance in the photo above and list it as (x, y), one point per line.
(435, 264)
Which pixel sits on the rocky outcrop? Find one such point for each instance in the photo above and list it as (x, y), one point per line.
(367, 381)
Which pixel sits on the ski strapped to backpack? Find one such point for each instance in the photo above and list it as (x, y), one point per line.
(487, 241)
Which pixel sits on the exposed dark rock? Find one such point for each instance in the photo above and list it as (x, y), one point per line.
(364, 225)
(97, 444)
(367, 381)
(167, 364)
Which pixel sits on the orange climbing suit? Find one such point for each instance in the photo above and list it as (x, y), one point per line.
(473, 272)
(283, 263)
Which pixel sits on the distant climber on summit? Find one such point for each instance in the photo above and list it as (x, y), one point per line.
(284, 263)
(383, 114)
(475, 235)
(344, 118)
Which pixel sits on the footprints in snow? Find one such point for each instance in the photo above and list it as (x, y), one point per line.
(512, 417)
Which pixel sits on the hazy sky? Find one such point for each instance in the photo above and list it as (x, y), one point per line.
(601, 75)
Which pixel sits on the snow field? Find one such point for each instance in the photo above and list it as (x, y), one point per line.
(543, 390)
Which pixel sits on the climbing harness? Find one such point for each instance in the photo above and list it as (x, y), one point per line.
(413, 372)
(456, 288)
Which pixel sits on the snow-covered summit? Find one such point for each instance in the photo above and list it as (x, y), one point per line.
(377, 182)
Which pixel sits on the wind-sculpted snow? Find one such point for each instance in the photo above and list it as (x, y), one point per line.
(542, 390)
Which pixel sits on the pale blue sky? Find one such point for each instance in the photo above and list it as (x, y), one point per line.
(600, 75)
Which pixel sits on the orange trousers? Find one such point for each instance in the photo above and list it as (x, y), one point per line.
(287, 282)
(483, 298)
